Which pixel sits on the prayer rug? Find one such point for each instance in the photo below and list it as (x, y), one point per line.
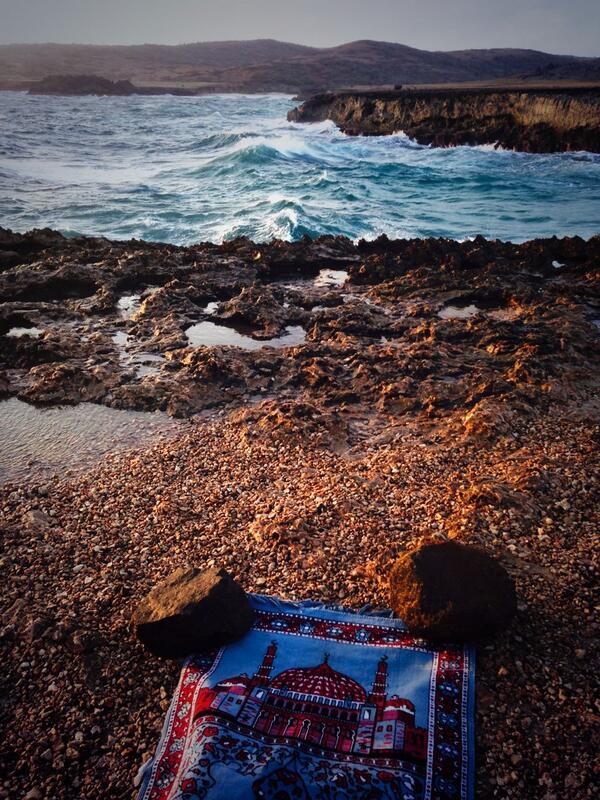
(319, 702)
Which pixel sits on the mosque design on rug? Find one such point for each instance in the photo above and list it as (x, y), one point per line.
(320, 708)
(323, 705)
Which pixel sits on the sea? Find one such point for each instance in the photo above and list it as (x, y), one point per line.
(190, 169)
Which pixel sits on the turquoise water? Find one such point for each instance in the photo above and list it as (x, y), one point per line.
(211, 168)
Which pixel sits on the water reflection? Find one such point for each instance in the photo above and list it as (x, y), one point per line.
(454, 312)
(40, 442)
(331, 277)
(208, 334)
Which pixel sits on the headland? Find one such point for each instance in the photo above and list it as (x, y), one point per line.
(536, 120)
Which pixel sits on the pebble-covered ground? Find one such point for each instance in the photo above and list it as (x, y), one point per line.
(437, 390)
(291, 510)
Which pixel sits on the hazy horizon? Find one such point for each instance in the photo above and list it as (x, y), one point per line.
(544, 25)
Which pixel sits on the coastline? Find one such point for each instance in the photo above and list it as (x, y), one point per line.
(86, 319)
(534, 120)
(299, 355)
(443, 390)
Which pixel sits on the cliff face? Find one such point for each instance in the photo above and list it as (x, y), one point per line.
(539, 121)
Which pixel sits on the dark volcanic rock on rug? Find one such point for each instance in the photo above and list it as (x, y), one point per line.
(452, 592)
(192, 611)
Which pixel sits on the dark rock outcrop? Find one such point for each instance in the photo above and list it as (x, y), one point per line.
(471, 330)
(257, 310)
(532, 120)
(16, 247)
(192, 611)
(81, 85)
(452, 592)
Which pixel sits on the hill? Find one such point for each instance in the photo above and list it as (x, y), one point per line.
(269, 65)
(368, 63)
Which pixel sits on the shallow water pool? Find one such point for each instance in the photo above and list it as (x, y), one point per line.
(209, 334)
(38, 442)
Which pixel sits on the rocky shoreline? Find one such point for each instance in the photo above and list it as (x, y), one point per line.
(440, 391)
(542, 120)
(409, 326)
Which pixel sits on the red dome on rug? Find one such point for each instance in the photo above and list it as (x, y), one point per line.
(322, 681)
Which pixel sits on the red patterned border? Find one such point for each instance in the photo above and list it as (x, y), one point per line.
(366, 634)
(448, 763)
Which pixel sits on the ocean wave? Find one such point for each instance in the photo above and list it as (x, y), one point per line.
(217, 141)
(285, 145)
(491, 147)
(256, 153)
(210, 168)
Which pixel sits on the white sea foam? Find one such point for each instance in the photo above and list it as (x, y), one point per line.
(190, 169)
(491, 147)
(282, 224)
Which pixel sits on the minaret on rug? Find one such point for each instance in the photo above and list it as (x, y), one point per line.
(319, 706)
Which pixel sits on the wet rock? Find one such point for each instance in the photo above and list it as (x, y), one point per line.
(192, 611)
(57, 384)
(536, 120)
(452, 592)
(257, 309)
(8, 258)
(31, 242)
(531, 343)
(99, 303)
(164, 301)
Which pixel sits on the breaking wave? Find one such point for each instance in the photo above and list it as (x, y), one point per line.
(211, 168)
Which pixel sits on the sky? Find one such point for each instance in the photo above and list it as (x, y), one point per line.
(555, 26)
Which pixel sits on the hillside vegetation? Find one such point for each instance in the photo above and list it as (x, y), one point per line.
(269, 65)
